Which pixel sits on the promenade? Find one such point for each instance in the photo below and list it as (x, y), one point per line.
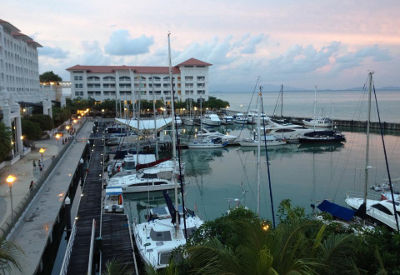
(32, 231)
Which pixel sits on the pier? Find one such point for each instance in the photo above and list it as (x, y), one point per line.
(110, 238)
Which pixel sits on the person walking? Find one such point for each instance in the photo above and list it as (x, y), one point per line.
(31, 186)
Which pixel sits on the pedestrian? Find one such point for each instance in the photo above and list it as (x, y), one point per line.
(31, 185)
(40, 167)
(34, 164)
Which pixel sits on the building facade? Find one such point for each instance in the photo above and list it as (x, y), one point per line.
(19, 80)
(190, 80)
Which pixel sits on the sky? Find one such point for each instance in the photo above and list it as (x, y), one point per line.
(332, 44)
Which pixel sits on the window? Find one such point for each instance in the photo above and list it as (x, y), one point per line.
(382, 208)
(165, 85)
(78, 85)
(109, 85)
(201, 78)
(167, 92)
(201, 85)
(201, 92)
(93, 78)
(189, 85)
(166, 78)
(124, 78)
(109, 78)
(188, 78)
(121, 85)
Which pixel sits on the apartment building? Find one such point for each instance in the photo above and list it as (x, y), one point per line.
(190, 80)
(19, 80)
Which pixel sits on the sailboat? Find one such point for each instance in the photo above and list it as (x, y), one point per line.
(383, 211)
(321, 122)
(162, 232)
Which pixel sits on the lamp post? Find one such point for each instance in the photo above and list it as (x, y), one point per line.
(10, 180)
(58, 136)
(41, 151)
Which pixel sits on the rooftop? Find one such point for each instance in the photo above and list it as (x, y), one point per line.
(15, 32)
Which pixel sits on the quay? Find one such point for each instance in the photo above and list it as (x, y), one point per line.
(97, 238)
(39, 225)
(390, 126)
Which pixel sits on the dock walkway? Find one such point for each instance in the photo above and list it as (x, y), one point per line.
(34, 229)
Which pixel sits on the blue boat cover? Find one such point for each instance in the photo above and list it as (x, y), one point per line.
(336, 210)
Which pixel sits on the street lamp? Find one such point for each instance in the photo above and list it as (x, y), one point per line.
(41, 151)
(67, 127)
(10, 180)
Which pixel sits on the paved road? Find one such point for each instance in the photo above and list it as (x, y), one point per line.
(33, 230)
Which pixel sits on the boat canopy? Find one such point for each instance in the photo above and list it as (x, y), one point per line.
(336, 210)
(145, 124)
(113, 191)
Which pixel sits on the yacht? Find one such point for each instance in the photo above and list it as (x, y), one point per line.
(253, 142)
(326, 136)
(240, 118)
(215, 134)
(188, 121)
(129, 163)
(113, 200)
(178, 121)
(322, 122)
(381, 211)
(227, 120)
(157, 238)
(207, 143)
(211, 120)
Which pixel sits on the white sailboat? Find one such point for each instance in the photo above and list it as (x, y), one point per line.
(162, 233)
(384, 211)
(321, 122)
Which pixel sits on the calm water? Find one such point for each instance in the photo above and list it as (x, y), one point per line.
(336, 104)
(304, 174)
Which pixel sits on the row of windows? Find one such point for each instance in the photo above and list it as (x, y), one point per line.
(127, 78)
(190, 92)
(137, 85)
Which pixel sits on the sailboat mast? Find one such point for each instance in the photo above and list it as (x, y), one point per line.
(173, 133)
(154, 115)
(281, 100)
(258, 153)
(315, 105)
(367, 143)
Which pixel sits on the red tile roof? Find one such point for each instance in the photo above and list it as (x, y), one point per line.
(8, 25)
(194, 62)
(136, 69)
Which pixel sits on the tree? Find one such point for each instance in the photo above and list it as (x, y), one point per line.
(5, 141)
(8, 253)
(45, 121)
(31, 129)
(50, 76)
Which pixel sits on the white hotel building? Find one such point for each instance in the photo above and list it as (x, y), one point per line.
(19, 80)
(190, 80)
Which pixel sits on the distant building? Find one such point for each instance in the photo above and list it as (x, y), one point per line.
(190, 80)
(19, 81)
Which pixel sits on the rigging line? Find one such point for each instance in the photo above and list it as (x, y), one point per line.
(266, 156)
(386, 159)
(251, 99)
(246, 176)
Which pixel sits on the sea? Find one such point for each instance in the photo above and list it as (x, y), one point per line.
(219, 179)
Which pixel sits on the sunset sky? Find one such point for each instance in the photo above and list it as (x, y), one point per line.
(332, 44)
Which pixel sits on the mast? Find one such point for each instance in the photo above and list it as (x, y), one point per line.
(281, 100)
(201, 113)
(315, 105)
(138, 121)
(258, 154)
(367, 143)
(154, 115)
(173, 134)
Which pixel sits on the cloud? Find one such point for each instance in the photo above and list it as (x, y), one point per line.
(355, 59)
(122, 44)
(250, 47)
(301, 59)
(56, 53)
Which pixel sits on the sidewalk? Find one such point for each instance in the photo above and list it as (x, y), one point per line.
(25, 173)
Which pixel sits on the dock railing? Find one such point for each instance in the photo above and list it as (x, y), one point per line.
(91, 251)
(67, 255)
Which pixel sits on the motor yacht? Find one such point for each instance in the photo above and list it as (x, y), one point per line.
(211, 133)
(253, 142)
(113, 200)
(211, 120)
(207, 143)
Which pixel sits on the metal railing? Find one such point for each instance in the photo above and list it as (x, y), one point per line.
(68, 251)
(91, 251)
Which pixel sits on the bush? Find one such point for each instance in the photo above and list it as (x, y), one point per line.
(31, 129)
(60, 115)
(45, 122)
(5, 141)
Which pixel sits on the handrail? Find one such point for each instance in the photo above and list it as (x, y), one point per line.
(90, 263)
(133, 246)
(68, 251)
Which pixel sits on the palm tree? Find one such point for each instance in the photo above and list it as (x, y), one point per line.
(8, 256)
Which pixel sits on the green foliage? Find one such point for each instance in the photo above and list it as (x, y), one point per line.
(50, 76)
(45, 122)
(286, 213)
(60, 115)
(114, 267)
(8, 256)
(5, 141)
(215, 103)
(31, 129)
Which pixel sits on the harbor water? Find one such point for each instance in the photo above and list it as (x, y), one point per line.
(305, 174)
